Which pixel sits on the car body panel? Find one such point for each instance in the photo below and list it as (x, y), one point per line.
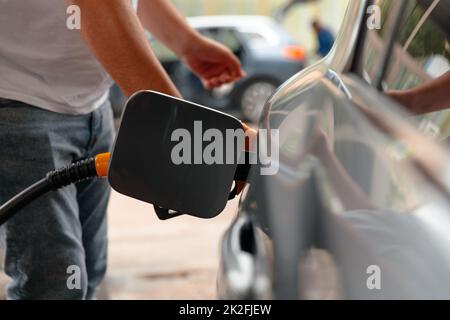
(357, 181)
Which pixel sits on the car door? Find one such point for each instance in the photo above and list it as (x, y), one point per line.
(420, 55)
(359, 208)
(393, 245)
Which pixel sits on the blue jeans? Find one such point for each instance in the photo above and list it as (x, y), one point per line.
(62, 234)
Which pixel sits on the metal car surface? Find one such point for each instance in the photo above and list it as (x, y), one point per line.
(359, 208)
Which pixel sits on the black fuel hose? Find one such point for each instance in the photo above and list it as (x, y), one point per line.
(54, 180)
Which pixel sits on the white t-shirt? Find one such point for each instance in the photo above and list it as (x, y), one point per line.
(45, 64)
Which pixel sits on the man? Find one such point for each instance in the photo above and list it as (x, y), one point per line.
(54, 110)
(325, 38)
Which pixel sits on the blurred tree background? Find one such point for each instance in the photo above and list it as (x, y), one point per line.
(429, 40)
(297, 21)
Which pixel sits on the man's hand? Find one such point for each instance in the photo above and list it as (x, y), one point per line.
(429, 97)
(213, 63)
(403, 97)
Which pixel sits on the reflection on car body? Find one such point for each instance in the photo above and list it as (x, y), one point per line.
(360, 187)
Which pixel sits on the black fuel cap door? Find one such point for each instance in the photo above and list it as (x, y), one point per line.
(156, 133)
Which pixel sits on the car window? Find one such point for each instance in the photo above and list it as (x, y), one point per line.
(266, 35)
(225, 36)
(376, 41)
(254, 37)
(163, 53)
(421, 54)
(422, 50)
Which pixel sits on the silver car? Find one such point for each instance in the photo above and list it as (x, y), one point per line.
(360, 206)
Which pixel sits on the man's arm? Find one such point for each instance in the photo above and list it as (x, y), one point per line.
(429, 97)
(113, 32)
(211, 61)
(163, 20)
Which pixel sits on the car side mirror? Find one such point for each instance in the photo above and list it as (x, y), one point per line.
(163, 151)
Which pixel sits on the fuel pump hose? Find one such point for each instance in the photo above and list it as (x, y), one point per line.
(76, 172)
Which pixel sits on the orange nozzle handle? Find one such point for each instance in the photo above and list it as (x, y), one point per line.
(102, 164)
(250, 138)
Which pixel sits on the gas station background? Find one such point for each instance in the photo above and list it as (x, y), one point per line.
(297, 21)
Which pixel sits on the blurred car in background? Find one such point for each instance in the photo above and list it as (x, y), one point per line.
(267, 53)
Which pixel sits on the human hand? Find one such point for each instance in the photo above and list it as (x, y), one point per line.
(212, 62)
(404, 97)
